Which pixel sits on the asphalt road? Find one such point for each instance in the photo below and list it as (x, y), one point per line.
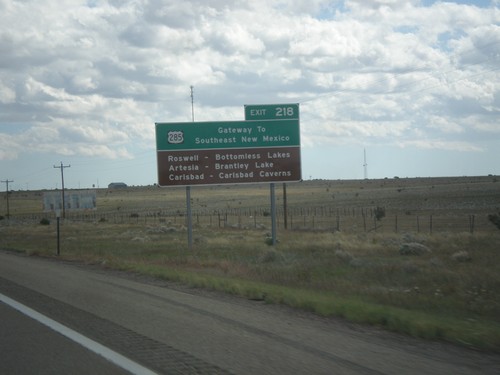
(29, 347)
(170, 329)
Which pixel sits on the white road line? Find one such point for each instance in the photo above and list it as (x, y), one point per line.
(91, 345)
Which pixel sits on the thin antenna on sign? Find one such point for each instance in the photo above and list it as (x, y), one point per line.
(192, 102)
(365, 166)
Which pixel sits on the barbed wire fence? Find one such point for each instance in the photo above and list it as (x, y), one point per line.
(348, 220)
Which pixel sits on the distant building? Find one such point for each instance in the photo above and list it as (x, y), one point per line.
(117, 185)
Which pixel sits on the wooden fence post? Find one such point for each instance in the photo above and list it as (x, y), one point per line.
(472, 219)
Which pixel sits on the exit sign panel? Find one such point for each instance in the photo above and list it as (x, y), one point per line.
(271, 111)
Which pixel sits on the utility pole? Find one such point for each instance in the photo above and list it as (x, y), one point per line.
(7, 183)
(62, 181)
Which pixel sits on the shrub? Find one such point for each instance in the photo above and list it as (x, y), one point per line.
(379, 213)
(344, 256)
(45, 221)
(495, 219)
(461, 256)
(271, 256)
(413, 248)
(269, 241)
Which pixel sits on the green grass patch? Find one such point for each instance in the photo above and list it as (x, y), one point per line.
(478, 334)
(362, 278)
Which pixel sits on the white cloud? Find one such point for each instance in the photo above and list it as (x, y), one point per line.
(440, 144)
(9, 150)
(92, 80)
(444, 125)
(7, 94)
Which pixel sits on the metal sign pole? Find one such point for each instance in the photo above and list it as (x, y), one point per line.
(273, 213)
(188, 189)
(189, 217)
(285, 208)
(58, 219)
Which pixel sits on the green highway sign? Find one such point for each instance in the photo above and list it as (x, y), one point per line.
(271, 111)
(228, 134)
(263, 148)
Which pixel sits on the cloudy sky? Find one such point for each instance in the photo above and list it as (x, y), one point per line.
(415, 83)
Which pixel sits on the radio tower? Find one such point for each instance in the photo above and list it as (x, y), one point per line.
(365, 166)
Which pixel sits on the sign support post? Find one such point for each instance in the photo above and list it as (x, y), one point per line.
(285, 208)
(274, 112)
(188, 190)
(58, 219)
(189, 217)
(273, 213)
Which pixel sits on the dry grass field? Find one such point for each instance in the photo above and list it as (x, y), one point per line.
(423, 205)
(428, 267)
